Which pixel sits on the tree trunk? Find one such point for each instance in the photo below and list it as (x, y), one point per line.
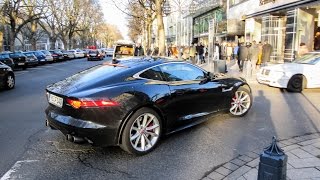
(1, 40)
(53, 41)
(12, 38)
(161, 34)
(33, 35)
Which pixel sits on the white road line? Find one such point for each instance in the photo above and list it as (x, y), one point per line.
(15, 168)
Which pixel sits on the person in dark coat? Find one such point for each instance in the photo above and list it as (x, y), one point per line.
(243, 55)
(266, 53)
(138, 51)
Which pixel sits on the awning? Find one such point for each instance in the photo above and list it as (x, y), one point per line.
(281, 7)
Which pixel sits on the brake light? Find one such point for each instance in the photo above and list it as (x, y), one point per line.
(90, 103)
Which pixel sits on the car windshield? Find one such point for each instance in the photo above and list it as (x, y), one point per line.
(4, 56)
(28, 54)
(46, 52)
(37, 53)
(309, 58)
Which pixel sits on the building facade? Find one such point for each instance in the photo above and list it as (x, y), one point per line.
(285, 24)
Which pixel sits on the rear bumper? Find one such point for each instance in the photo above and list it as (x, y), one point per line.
(100, 135)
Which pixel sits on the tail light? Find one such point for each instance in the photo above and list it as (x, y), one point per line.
(90, 103)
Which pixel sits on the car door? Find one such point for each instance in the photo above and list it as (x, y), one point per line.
(192, 95)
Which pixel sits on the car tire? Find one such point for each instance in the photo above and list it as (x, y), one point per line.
(297, 83)
(241, 102)
(142, 132)
(9, 81)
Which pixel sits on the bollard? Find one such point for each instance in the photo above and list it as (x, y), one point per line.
(273, 163)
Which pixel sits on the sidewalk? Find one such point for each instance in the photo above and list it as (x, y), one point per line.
(233, 70)
(303, 161)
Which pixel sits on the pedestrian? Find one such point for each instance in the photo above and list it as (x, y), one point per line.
(303, 49)
(259, 56)
(242, 56)
(200, 52)
(229, 51)
(192, 53)
(235, 51)
(138, 51)
(254, 53)
(266, 53)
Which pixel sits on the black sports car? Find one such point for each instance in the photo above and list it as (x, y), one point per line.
(7, 79)
(133, 102)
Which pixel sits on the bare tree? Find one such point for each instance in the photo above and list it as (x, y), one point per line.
(16, 15)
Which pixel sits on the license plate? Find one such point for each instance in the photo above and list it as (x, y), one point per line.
(55, 100)
(93, 54)
(20, 64)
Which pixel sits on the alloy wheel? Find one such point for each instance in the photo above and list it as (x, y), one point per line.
(240, 103)
(10, 82)
(144, 132)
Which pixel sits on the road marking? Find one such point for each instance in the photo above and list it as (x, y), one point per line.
(15, 168)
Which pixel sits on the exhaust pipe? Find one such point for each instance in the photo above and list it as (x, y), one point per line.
(74, 139)
(78, 139)
(70, 137)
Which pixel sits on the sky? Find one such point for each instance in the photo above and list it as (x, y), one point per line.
(114, 15)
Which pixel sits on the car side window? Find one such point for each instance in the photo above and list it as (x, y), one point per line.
(181, 72)
(153, 73)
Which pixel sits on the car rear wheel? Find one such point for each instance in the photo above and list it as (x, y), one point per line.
(10, 82)
(297, 83)
(142, 132)
(241, 102)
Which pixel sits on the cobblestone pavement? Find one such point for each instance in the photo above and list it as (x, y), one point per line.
(303, 161)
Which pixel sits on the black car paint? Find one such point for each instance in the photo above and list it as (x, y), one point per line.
(4, 72)
(19, 60)
(180, 105)
(4, 58)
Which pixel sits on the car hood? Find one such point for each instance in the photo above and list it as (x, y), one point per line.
(288, 67)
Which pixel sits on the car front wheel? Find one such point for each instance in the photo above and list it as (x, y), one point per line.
(10, 82)
(297, 83)
(142, 132)
(241, 102)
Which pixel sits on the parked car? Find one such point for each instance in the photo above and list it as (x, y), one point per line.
(57, 55)
(95, 55)
(19, 60)
(133, 102)
(7, 79)
(78, 53)
(68, 54)
(40, 56)
(109, 52)
(48, 55)
(5, 58)
(303, 72)
(31, 59)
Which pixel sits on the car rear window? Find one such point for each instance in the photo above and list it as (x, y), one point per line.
(17, 54)
(124, 50)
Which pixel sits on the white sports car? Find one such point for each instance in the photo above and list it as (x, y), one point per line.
(303, 72)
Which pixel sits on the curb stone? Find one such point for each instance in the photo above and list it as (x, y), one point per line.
(303, 160)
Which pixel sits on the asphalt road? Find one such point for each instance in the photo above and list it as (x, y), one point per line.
(29, 150)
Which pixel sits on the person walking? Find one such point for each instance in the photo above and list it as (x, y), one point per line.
(242, 55)
(259, 56)
(254, 53)
(192, 53)
(138, 51)
(200, 52)
(266, 53)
